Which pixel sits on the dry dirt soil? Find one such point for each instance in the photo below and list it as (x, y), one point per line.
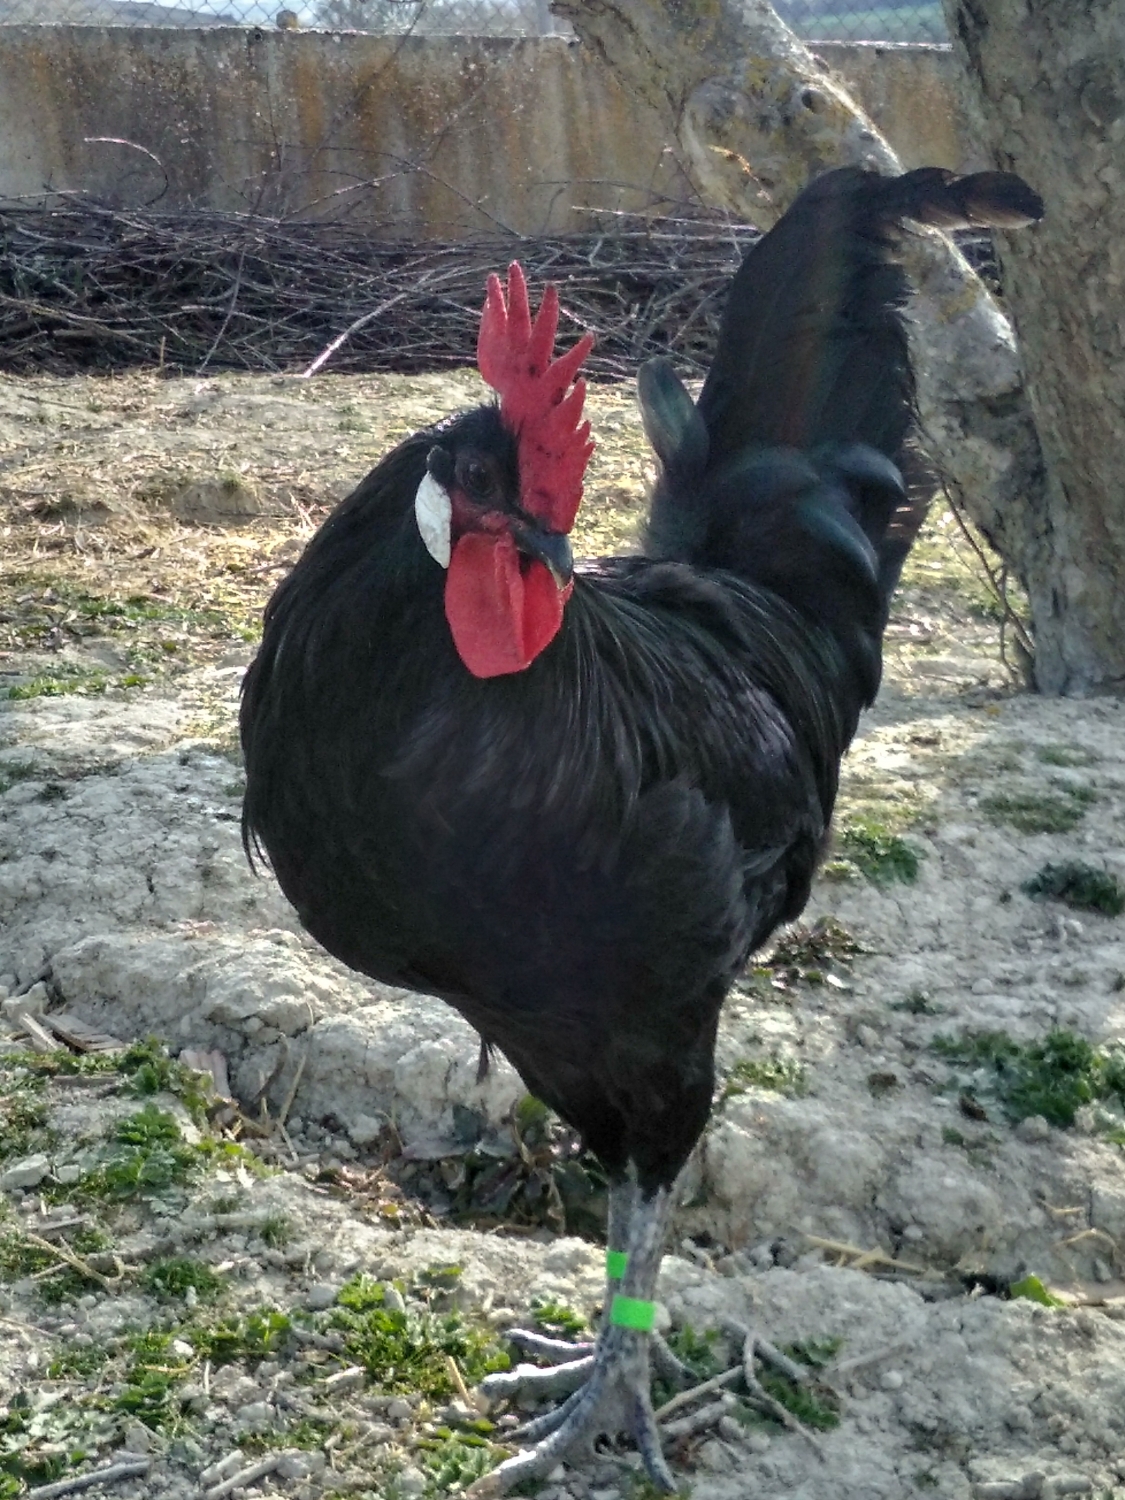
(280, 1264)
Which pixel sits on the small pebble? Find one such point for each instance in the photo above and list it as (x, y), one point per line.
(255, 1414)
(321, 1296)
(66, 1174)
(731, 1429)
(1033, 1130)
(222, 1469)
(138, 1439)
(399, 1410)
(410, 1481)
(28, 1172)
(392, 1299)
(892, 1380)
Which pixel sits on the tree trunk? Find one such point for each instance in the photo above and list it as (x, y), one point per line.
(1045, 85)
(757, 117)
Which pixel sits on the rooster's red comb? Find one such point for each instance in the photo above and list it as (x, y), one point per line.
(540, 400)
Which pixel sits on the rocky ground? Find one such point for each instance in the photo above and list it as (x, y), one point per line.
(285, 1273)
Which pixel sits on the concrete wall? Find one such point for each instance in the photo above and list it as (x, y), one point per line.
(911, 94)
(438, 135)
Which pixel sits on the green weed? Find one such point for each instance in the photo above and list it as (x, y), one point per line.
(252, 1336)
(276, 1232)
(409, 1350)
(452, 1461)
(153, 1373)
(1065, 755)
(1077, 884)
(148, 1155)
(1033, 1289)
(782, 1075)
(23, 1124)
(883, 857)
(1056, 811)
(556, 1319)
(916, 1003)
(814, 1405)
(176, 1276)
(1053, 1077)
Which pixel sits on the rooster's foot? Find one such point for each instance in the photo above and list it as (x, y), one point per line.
(530, 1381)
(612, 1398)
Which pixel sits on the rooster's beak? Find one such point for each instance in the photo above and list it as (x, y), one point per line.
(551, 548)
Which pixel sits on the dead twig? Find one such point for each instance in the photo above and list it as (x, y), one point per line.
(96, 1477)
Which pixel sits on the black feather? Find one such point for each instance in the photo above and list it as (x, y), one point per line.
(581, 856)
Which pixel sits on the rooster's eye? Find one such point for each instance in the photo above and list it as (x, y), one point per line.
(477, 479)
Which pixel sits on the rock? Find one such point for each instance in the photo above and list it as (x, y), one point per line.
(1033, 1130)
(28, 1172)
(255, 1415)
(322, 1295)
(69, 1172)
(410, 1481)
(364, 1129)
(297, 1463)
(714, 1455)
(138, 1438)
(399, 1410)
(222, 1469)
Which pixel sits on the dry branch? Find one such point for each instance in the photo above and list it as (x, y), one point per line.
(87, 288)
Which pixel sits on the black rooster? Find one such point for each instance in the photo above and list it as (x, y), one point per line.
(571, 800)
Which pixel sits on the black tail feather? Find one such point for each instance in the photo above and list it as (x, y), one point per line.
(812, 348)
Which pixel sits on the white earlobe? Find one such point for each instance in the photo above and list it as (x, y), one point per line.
(433, 510)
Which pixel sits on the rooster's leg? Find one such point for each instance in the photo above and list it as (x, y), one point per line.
(573, 1358)
(614, 1396)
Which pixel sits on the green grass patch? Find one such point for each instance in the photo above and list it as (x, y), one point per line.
(452, 1460)
(782, 1075)
(175, 1277)
(23, 1124)
(57, 1282)
(814, 1405)
(409, 1350)
(556, 1319)
(75, 1362)
(877, 853)
(916, 1003)
(12, 772)
(1080, 885)
(254, 1335)
(150, 1070)
(1065, 755)
(154, 1371)
(148, 1156)
(1054, 1077)
(1058, 810)
(276, 1232)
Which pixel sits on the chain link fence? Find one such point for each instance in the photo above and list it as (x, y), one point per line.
(815, 20)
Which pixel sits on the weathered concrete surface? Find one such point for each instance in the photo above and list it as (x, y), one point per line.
(437, 135)
(910, 93)
(453, 133)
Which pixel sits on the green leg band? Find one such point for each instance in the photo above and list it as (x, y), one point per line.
(615, 1263)
(632, 1312)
